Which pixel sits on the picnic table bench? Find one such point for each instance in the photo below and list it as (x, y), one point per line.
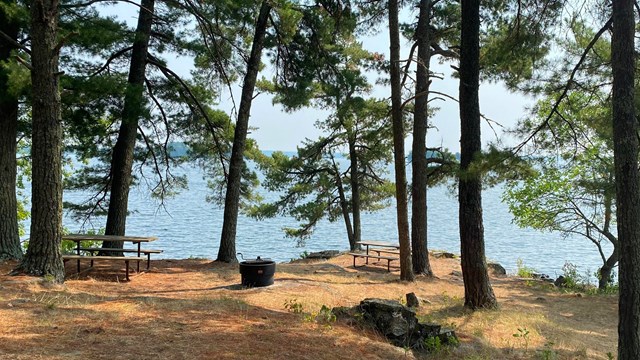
(147, 252)
(93, 252)
(126, 259)
(381, 248)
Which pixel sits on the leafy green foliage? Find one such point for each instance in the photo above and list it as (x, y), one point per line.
(571, 190)
(292, 305)
(524, 271)
(23, 174)
(515, 43)
(324, 317)
(548, 353)
(70, 247)
(523, 334)
(432, 344)
(582, 281)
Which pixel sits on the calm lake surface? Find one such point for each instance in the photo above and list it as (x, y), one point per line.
(190, 227)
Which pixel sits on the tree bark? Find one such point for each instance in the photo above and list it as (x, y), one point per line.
(420, 255)
(355, 191)
(344, 207)
(406, 269)
(607, 269)
(478, 291)
(122, 158)
(625, 147)
(43, 257)
(227, 250)
(9, 236)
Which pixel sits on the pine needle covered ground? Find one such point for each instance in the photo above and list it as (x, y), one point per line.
(194, 309)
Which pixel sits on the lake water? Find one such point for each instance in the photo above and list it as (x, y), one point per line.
(190, 227)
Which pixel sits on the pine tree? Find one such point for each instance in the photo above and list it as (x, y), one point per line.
(43, 257)
(626, 147)
(227, 250)
(478, 290)
(9, 236)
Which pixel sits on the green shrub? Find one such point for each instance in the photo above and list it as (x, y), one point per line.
(433, 344)
(293, 306)
(69, 247)
(524, 271)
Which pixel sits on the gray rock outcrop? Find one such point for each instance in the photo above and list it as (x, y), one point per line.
(396, 322)
(496, 268)
(325, 254)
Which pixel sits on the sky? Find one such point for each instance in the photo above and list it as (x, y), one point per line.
(277, 130)
(274, 129)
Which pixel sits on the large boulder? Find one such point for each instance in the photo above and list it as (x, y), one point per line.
(396, 322)
(496, 268)
(391, 318)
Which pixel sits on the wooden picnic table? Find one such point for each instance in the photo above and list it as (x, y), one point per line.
(379, 247)
(136, 240)
(376, 243)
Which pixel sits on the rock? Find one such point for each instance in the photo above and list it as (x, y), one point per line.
(412, 300)
(391, 318)
(540, 276)
(496, 268)
(443, 254)
(560, 281)
(398, 323)
(325, 254)
(425, 301)
(456, 273)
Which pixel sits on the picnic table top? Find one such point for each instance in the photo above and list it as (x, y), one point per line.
(83, 237)
(378, 243)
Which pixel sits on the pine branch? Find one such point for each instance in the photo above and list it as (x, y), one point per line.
(436, 49)
(56, 49)
(165, 119)
(570, 81)
(409, 61)
(14, 42)
(24, 62)
(110, 59)
(172, 76)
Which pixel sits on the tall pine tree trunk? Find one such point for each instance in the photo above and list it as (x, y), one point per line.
(122, 157)
(626, 147)
(406, 269)
(43, 256)
(420, 255)
(355, 190)
(227, 250)
(344, 207)
(9, 236)
(477, 288)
